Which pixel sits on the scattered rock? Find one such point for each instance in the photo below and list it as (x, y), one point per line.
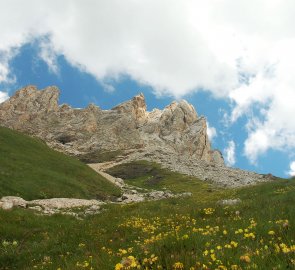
(61, 203)
(217, 174)
(185, 194)
(52, 206)
(230, 202)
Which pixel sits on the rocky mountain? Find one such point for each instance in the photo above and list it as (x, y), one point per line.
(176, 136)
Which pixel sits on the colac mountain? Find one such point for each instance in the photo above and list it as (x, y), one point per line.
(176, 137)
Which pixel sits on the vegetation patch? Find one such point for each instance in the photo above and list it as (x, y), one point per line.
(31, 170)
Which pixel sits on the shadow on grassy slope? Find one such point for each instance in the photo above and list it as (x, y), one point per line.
(100, 156)
(151, 175)
(30, 169)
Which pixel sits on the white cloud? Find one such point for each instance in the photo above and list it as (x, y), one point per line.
(5, 56)
(230, 153)
(48, 55)
(3, 96)
(211, 132)
(239, 50)
(292, 169)
(3, 71)
(159, 43)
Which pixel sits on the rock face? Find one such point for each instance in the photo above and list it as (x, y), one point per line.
(175, 137)
(175, 130)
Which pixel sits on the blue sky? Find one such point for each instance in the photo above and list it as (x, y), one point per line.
(234, 63)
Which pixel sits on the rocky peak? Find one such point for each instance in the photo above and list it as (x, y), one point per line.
(92, 108)
(175, 130)
(178, 115)
(30, 100)
(136, 107)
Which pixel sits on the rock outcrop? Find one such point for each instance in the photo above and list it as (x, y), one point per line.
(176, 136)
(176, 130)
(82, 207)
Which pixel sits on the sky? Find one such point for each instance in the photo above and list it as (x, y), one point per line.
(233, 60)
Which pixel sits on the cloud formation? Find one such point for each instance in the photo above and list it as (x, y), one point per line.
(211, 132)
(292, 169)
(241, 51)
(230, 153)
(3, 96)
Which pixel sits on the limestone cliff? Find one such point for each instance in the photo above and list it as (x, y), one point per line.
(176, 130)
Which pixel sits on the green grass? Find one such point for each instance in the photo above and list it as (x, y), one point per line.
(30, 169)
(174, 230)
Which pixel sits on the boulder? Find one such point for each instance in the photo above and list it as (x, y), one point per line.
(63, 203)
(230, 201)
(16, 201)
(7, 205)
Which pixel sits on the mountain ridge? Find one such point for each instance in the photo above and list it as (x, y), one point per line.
(173, 123)
(175, 137)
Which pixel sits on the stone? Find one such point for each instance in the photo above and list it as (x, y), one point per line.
(63, 203)
(186, 194)
(130, 198)
(16, 201)
(7, 205)
(94, 207)
(36, 208)
(230, 201)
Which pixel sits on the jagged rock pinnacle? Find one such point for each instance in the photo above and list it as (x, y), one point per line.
(177, 129)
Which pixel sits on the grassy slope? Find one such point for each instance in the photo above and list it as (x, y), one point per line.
(30, 169)
(175, 230)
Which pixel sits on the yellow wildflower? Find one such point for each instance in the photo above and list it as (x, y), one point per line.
(119, 266)
(178, 265)
(245, 258)
(234, 244)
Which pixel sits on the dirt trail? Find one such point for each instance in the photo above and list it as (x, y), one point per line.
(99, 167)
